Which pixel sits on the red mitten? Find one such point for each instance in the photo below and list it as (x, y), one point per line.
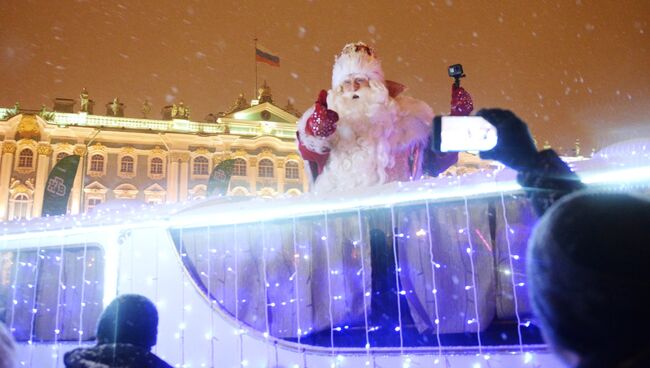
(322, 122)
(461, 101)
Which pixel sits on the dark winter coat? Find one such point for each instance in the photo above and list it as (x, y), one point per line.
(113, 356)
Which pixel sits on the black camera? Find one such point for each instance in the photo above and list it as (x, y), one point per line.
(456, 71)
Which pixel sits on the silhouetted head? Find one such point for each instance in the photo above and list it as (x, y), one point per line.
(129, 319)
(589, 275)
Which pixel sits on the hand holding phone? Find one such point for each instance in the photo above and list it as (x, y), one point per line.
(463, 133)
(515, 147)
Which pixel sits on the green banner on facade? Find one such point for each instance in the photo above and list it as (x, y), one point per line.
(59, 185)
(220, 178)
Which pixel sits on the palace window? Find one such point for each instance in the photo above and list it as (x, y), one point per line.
(97, 163)
(26, 158)
(265, 169)
(200, 166)
(239, 168)
(156, 166)
(20, 207)
(126, 165)
(291, 170)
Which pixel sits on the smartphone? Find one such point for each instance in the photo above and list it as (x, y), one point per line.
(463, 133)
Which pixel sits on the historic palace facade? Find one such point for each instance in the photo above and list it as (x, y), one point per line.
(146, 160)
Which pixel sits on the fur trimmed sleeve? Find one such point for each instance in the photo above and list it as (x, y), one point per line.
(313, 143)
(414, 121)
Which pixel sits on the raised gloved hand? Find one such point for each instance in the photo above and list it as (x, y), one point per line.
(322, 122)
(515, 146)
(461, 101)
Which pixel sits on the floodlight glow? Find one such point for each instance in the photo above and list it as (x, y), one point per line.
(256, 210)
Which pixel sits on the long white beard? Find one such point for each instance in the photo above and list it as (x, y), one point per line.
(360, 148)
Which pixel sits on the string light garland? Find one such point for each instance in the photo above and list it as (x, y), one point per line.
(506, 233)
(82, 303)
(470, 253)
(325, 239)
(296, 280)
(398, 289)
(434, 291)
(361, 243)
(116, 221)
(60, 286)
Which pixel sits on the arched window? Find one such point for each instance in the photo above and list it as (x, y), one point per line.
(200, 166)
(291, 170)
(97, 163)
(265, 168)
(156, 166)
(61, 156)
(126, 165)
(239, 168)
(21, 206)
(26, 158)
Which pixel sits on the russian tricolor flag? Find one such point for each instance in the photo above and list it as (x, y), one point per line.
(264, 56)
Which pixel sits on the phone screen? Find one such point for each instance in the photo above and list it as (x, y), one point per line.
(466, 133)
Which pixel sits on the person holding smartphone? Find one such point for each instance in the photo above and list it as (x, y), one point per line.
(588, 261)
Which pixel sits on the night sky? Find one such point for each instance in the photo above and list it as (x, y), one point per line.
(571, 69)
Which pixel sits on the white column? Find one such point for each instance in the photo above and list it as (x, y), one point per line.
(172, 179)
(8, 150)
(42, 170)
(280, 172)
(184, 178)
(75, 195)
(252, 175)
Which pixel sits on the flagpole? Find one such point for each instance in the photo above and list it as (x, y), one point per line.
(255, 91)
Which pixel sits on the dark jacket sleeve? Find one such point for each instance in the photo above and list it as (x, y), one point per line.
(549, 180)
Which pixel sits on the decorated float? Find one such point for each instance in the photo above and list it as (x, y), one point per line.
(424, 273)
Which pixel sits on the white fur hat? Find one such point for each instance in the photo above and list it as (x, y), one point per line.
(356, 58)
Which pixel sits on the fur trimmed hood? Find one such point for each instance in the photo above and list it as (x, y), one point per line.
(113, 355)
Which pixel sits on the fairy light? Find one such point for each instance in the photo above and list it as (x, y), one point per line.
(209, 260)
(296, 262)
(37, 271)
(267, 330)
(528, 357)
(182, 304)
(15, 288)
(471, 262)
(363, 283)
(512, 273)
(240, 334)
(157, 278)
(57, 327)
(132, 271)
(397, 284)
(329, 284)
(433, 280)
(82, 303)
